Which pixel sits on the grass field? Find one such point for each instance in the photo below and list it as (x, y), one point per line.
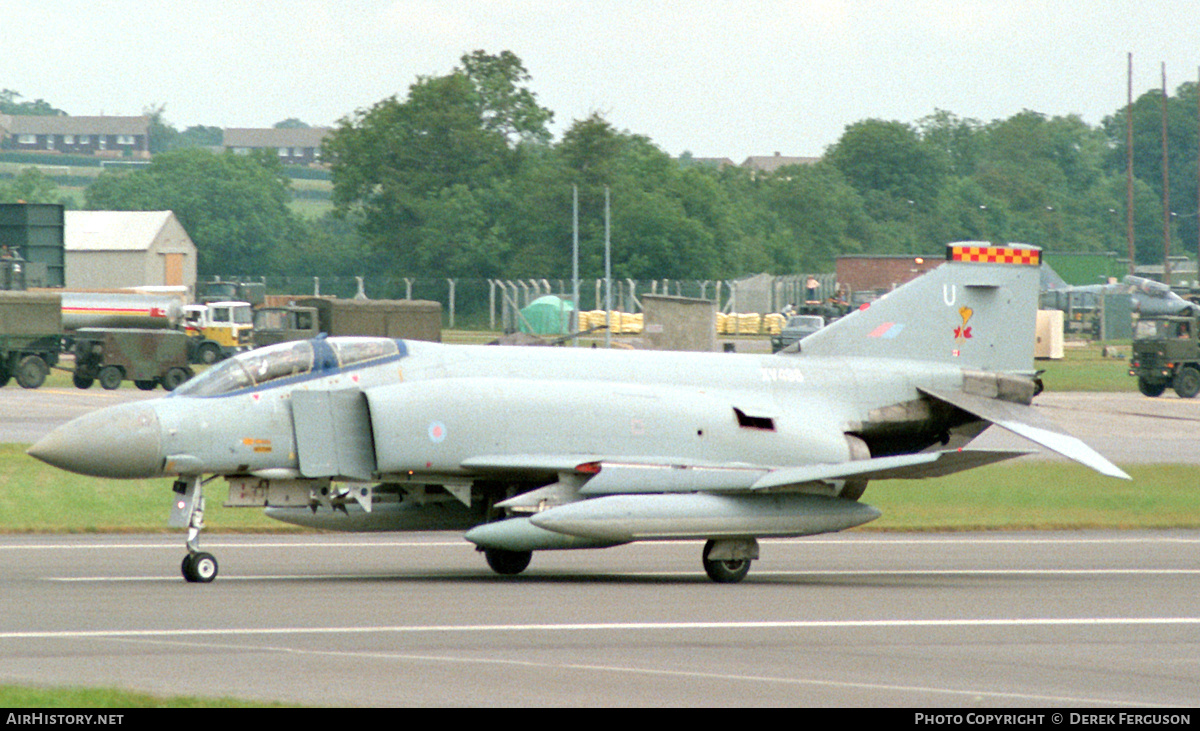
(1085, 368)
(22, 696)
(36, 498)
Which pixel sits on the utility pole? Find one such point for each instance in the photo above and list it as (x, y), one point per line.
(575, 257)
(607, 272)
(1129, 166)
(1166, 187)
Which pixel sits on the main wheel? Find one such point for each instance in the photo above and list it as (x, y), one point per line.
(1187, 382)
(82, 381)
(199, 568)
(110, 377)
(31, 371)
(724, 572)
(508, 563)
(146, 385)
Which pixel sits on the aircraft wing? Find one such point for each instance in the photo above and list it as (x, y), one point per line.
(1027, 422)
(901, 467)
(614, 476)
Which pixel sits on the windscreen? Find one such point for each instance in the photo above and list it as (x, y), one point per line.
(252, 369)
(352, 350)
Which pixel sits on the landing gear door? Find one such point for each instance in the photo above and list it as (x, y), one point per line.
(333, 434)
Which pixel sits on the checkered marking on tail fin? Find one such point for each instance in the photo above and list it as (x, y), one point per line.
(1029, 256)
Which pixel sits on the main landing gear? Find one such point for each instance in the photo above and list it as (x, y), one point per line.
(188, 512)
(727, 561)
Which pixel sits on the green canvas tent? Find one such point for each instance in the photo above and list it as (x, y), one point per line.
(547, 315)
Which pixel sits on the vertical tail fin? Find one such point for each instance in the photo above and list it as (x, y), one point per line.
(978, 310)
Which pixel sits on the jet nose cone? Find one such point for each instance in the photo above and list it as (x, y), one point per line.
(120, 441)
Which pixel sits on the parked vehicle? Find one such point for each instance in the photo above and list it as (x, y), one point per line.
(796, 328)
(1166, 353)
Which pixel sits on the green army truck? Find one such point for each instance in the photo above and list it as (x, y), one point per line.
(1166, 353)
(149, 358)
(38, 328)
(308, 317)
(30, 336)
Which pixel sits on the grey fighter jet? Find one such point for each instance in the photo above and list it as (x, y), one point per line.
(1147, 297)
(534, 449)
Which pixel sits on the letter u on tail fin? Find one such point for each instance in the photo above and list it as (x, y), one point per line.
(978, 310)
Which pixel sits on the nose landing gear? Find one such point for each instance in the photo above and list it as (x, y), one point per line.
(188, 512)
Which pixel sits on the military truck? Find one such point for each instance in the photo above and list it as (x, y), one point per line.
(307, 317)
(284, 324)
(149, 358)
(30, 336)
(112, 337)
(1166, 353)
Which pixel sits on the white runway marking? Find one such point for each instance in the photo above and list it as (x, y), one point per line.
(758, 574)
(617, 627)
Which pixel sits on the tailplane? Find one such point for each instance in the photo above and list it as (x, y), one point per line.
(978, 310)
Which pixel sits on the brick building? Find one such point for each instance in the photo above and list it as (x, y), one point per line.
(62, 134)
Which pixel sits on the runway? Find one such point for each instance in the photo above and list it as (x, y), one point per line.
(1088, 619)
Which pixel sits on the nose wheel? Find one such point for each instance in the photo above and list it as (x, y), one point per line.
(199, 568)
(187, 511)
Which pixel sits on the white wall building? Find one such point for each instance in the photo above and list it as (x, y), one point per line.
(119, 249)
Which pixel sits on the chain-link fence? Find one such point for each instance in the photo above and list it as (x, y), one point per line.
(491, 303)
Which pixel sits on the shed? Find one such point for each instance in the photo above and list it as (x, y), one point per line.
(117, 249)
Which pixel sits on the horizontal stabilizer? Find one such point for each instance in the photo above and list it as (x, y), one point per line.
(901, 467)
(1025, 421)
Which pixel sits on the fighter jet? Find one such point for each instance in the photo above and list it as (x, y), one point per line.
(537, 449)
(1148, 297)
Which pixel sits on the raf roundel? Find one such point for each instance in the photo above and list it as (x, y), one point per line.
(437, 432)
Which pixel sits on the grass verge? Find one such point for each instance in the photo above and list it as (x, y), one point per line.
(1034, 494)
(23, 696)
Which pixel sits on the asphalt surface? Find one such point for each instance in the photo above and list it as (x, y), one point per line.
(1080, 619)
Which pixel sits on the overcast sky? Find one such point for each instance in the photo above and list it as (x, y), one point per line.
(717, 78)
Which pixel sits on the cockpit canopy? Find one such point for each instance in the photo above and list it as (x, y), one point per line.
(287, 360)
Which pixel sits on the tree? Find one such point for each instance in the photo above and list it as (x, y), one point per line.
(199, 135)
(31, 186)
(411, 165)
(38, 107)
(508, 107)
(290, 123)
(234, 207)
(162, 135)
(1148, 153)
(888, 157)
